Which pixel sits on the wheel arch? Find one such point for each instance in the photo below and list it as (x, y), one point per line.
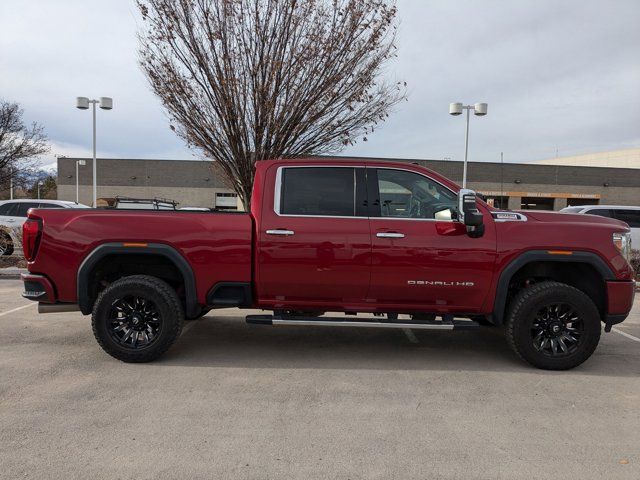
(588, 264)
(166, 252)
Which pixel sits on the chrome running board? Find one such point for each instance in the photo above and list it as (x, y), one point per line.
(369, 323)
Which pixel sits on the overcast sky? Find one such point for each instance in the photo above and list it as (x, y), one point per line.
(558, 76)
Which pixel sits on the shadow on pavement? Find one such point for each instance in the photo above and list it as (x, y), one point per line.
(228, 342)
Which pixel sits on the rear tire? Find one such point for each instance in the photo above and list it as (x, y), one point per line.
(553, 326)
(136, 319)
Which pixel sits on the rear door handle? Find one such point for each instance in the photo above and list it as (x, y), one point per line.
(280, 232)
(390, 235)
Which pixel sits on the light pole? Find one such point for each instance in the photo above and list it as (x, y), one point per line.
(479, 109)
(106, 103)
(40, 183)
(83, 163)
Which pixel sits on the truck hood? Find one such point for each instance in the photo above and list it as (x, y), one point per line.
(556, 217)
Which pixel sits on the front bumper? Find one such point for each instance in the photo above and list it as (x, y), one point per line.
(620, 296)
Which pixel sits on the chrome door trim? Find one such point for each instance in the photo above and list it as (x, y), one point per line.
(280, 232)
(390, 235)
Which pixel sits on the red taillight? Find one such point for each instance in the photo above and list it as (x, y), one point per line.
(31, 232)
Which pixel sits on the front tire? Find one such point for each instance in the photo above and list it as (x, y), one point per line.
(136, 319)
(553, 326)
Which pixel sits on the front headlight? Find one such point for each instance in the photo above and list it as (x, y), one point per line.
(622, 241)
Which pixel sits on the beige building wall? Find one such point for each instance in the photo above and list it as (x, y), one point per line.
(560, 193)
(628, 158)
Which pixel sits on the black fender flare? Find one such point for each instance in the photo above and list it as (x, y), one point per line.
(530, 256)
(101, 251)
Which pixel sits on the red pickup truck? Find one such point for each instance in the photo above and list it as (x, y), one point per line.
(371, 239)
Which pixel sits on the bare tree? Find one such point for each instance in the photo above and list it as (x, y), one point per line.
(19, 144)
(247, 80)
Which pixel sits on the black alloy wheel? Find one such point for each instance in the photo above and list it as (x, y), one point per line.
(557, 330)
(134, 322)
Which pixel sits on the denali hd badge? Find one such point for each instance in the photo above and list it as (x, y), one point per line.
(439, 283)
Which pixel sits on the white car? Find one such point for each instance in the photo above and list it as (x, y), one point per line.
(13, 213)
(629, 215)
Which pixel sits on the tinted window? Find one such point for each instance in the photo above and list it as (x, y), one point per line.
(410, 195)
(7, 209)
(602, 212)
(630, 217)
(318, 191)
(23, 208)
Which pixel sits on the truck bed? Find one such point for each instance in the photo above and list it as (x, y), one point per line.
(216, 245)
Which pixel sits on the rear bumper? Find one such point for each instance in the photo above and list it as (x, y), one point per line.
(620, 296)
(38, 288)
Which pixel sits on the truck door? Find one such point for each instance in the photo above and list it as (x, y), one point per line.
(422, 257)
(314, 245)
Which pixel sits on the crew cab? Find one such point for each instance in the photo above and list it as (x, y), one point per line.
(372, 239)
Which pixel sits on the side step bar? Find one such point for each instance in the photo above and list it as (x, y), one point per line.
(448, 324)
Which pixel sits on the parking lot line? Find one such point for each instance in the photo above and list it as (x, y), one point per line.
(2, 314)
(410, 335)
(188, 326)
(625, 334)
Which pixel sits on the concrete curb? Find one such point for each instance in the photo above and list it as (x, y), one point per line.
(11, 273)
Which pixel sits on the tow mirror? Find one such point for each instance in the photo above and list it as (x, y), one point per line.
(471, 216)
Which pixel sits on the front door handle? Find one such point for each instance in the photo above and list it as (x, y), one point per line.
(390, 235)
(280, 232)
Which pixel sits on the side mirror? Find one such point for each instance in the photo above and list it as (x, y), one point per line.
(471, 216)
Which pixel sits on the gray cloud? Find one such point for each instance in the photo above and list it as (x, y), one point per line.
(557, 75)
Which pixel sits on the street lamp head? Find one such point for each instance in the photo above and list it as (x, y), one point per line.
(455, 108)
(82, 103)
(106, 103)
(480, 109)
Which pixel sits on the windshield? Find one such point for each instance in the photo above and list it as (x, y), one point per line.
(571, 210)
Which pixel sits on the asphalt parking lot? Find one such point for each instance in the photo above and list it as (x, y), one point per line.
(231, 400)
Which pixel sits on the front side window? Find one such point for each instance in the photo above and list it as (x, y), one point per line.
(406, 194)
(318, 191)
(630, 217)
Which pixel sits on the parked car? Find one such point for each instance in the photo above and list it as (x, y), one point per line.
(13, 214)
(352, 236)
(629, 215)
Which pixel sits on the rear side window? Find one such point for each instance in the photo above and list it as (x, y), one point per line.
(23, 208)
(630, 217)
(8, 209)
(318, 191)
(601, 212)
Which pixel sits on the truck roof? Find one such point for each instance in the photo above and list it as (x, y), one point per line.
(263, 165)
